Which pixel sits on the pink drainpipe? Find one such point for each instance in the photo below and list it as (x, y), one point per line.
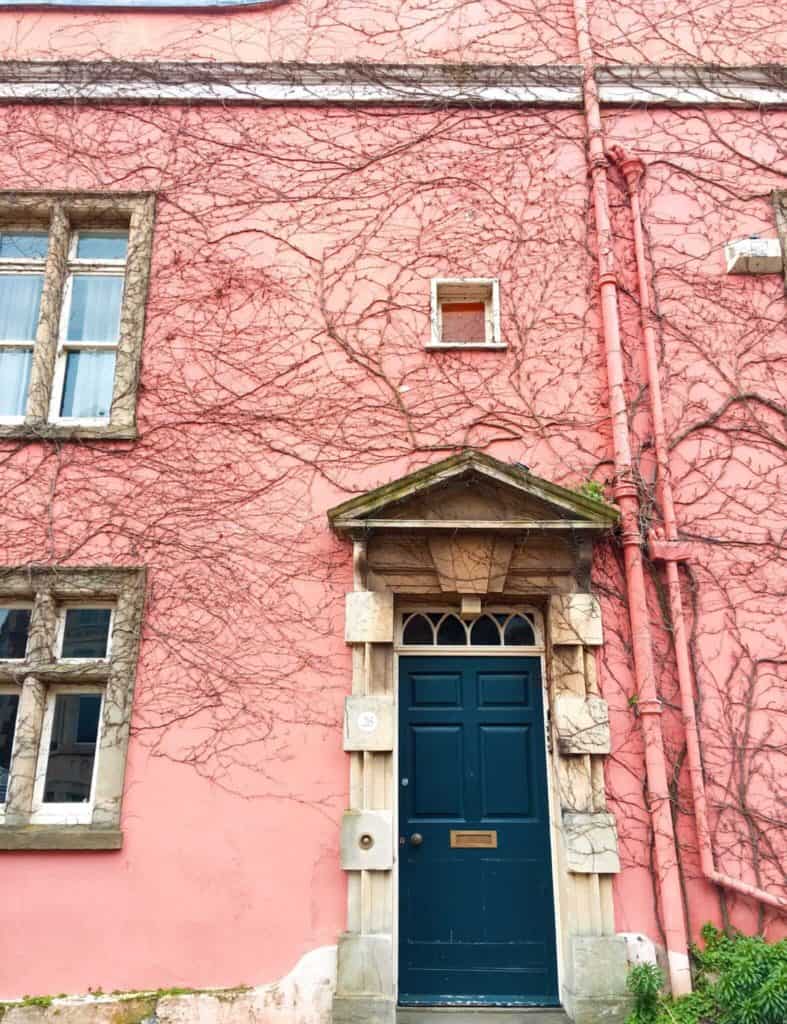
(648, 703)
(666, 547)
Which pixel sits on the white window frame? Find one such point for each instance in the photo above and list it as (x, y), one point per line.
(61, 630)
(103, 268)
(534, 615)
(10, 691)
(466, 289)
(10, 266)
(63, 813)
(16, 605)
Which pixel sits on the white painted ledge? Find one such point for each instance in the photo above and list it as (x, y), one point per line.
(399, 84)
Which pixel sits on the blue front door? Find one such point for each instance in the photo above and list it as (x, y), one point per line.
(476, 911)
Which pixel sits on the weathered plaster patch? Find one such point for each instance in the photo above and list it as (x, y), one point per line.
(301, 997)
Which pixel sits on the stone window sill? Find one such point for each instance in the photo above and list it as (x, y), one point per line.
(51, 431)
(59, 837)
(476, 346)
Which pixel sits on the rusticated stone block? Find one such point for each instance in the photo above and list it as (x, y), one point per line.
(366, 841)
(368, 723)
(369, 618)
(596, 990)
(582, 724)
(575, 619)
(591, 843)
(365, 965)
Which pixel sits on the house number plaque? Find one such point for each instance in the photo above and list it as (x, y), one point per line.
(478, 839)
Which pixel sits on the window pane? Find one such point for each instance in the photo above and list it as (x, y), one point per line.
(519, 632)
(14, 627)
(485, 632)
(418, 630)
(72, 749)
(102, 245)
(464, 322)
(23, 245)
(87, 389)
(9, 704)
(451, 631)
(95, 307)
(86, 633)
(20, 299)
(15, 366)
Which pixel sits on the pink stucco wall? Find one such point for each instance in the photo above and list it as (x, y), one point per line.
(422, 31)
(283, 370)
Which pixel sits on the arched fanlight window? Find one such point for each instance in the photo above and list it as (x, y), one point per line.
(490, 629)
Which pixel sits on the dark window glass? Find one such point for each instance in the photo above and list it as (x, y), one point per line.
(519, 633)
(86, 633)
(418, 630)
(14, 627)
(451, 631)
(72, 749)
(485, 633)
(9, 704)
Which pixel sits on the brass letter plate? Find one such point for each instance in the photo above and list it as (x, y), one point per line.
(483, 839)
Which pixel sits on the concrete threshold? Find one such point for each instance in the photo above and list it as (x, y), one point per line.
(480, 1015)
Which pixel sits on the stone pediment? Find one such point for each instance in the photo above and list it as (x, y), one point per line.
(471, 492)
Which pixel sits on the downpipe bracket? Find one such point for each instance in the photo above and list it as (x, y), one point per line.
(660, 549)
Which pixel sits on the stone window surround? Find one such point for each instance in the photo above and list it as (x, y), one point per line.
(61, 213)
(780, 206)
(48, 589)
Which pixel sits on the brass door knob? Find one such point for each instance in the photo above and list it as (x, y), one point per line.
(416, 839)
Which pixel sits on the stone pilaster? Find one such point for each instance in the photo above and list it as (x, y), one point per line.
(365, 986)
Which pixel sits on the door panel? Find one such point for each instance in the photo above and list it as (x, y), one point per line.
(476, 925)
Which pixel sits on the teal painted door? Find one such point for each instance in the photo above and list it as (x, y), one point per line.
(476, 924)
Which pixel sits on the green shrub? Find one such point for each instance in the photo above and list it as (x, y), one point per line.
(738, 979)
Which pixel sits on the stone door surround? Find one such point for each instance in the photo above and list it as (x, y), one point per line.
(466, 533)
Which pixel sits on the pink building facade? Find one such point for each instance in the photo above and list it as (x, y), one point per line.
(392, 410)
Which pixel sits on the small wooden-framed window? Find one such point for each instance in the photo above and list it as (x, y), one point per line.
(67, 766)
(23, 254)
(89, 328)
(73, 285)
(64, 735)
(466, 313)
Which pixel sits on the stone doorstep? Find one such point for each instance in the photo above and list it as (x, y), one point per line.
(479, 1015)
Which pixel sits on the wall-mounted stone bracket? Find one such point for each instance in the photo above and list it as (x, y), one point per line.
(368, 723)
(575, 619)
(369, 618)
(591, 842)
(581, 724)
(367, 841)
